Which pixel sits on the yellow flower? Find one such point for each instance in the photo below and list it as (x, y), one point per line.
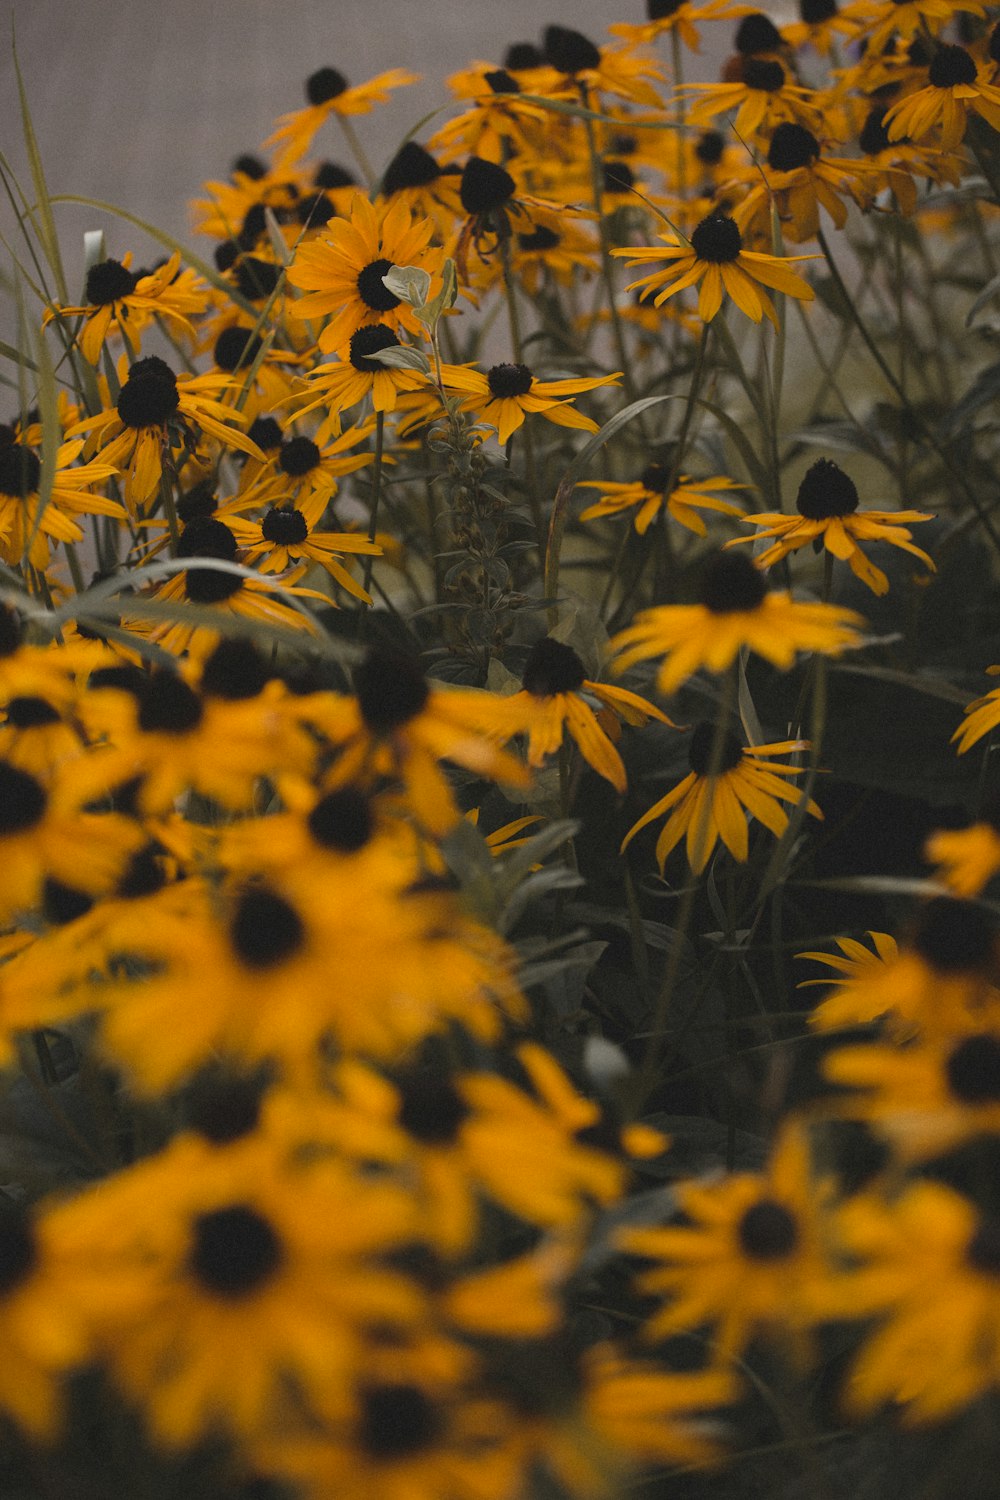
(505, 395)
(649, 494)
(763, 96)
(828, 515)
(981, 716)
(750, 1258)
(329, 93)
(930, 1271)
(341, 272)
(955, 85)
(704, 807)
(968, 858)
(26, 527)
(854, 963)
(715, 257)
(736, 610)
(342, 383)
(553, 700)
(119, 301)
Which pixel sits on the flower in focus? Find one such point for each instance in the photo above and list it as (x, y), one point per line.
(827, 503)
(706, 806)
(649, 495)
(505, 395)
(119, 300)
(715, 258)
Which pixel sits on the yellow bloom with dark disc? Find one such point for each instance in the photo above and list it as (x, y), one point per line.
(27, 528)
(554, 702)
(647, 496)
(704, 808)
(736, 610)
(716, 260)
(328, 93)
(340, 274)
(118, 300)
(828, 515)
(750, 1258)
(506, 394)
(941, 110)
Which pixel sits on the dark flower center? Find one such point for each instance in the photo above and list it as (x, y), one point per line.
(509, 380)
(330, 175)
(874, 135)
(254, 225)
(18, 1253)
(766, 77)
(484, 186)
(993, 46)
(397, 1421)
(813, 12)
(235, 1251)
(298, 456)
(501, 82)
(551, 668)
(826, 491)
(731, 584)
(709, 147)
(10, 629)
(256, 278)
(286, 528)
(20, 471)
(982, 1252)
(197, 502)
(22, 800)
(204, 536)
(373, 290)
(767, 1231)
(951, 66)
(235, 347)
(431, 1108)
(757, 33)
(234, 671)
(63, 903)
(371, 339)
(655, 477)
(149, 396)
(250, 166)
(226, 1111)
(617, 176)
(658, 10)
(520, 56)
(31, 713)
(791, 146)
(266, 433)
(700, 750)
(955, 937)
(265, 929)
(540, 238)
(169, 705)
(144, 874)
(391, 689)
(342, 820)
(973, 1069)
(569, 51)
(108, 281)
(314, 210)
(325, 84)
(717, 239)
(412, 166)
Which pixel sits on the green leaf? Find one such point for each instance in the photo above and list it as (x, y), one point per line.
(45, 225)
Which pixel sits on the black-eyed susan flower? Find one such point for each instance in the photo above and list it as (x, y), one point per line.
(27, 528)
(925, 1098)
(497, 124)
(828, 515)
(118, 300)
(750, 1258)
(853, 963)
(613, 70)
(304, 471)
(967, 858)
(981, 716)
(941, 979)
(329, 93)
(954, 86)
(797, 180)
(506, 394)
(157, 410)
(762, 94)
(928, 1269)
(648, 496)
(908, 17)
(824, 23)
(716, 260)
(340, 274)
(735, 610)
(553, 701)
(399, 725)
(339, 384)
(680, 16)
(704, 808)
(288, 536)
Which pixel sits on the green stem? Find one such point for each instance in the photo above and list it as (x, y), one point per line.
(376, 496)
